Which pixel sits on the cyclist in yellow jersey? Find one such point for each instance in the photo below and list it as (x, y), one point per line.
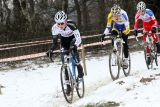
(121, 24)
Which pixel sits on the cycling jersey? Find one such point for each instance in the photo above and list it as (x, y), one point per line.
(148, 20)
(121, 22)
(67, 34)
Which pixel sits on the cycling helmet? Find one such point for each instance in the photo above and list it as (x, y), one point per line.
(60, 17)
(141, 6)
(115, 10)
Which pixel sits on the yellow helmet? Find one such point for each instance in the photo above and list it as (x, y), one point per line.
(115, 10)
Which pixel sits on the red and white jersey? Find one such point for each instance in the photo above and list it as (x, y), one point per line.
(147, 18)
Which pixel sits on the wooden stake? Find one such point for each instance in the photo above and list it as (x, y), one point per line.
(0, 89)
(84, 60)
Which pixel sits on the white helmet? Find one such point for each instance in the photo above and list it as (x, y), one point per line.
(141, 6)
(60, 17)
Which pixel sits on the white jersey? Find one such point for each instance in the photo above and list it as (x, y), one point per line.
(69, 31)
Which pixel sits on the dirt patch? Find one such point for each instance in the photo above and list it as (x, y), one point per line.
(128, 89)
(146, 80)
(120, 82)
(157, 74)
(108, 104)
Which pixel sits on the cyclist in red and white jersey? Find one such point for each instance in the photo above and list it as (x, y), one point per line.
(149, 24)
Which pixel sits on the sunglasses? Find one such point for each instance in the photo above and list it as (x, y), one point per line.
(60, 23)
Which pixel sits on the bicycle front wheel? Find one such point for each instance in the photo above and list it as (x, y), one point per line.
(65, 82)
(80, 87)
(149, 64)
(114, 65)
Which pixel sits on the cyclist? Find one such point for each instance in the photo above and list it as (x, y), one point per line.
(68, 33)
(121, 24)
(149, 25)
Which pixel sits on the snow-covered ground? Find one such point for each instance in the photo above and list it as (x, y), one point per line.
(39, 86)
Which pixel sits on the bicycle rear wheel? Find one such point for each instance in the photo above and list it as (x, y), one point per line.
(114, 65)
(127, 71)
(68, 98)
(155, 55)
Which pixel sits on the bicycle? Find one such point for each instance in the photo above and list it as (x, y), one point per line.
(74, 81)
(153, 50)
(116, 58)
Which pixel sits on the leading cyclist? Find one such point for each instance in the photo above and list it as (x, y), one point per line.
(121, 24)
(149, 25)
(68, 32)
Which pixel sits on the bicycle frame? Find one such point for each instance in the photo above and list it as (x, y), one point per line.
(149, 40)
(70, 59)
(115, 48)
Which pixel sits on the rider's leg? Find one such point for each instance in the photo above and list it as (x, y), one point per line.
(125, 45)
(125, 50)
(125, 33)
(79, 66)
(148, 60)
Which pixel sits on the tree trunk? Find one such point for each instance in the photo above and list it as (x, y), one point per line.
(20, 20)
(65, 5)
(101, 6)
(84, 14)
(8, 14)
(1, 13)
(77, 6)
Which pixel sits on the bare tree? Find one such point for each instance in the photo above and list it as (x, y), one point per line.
(65, 5)
(101, 6)
(84, 14)
(77, 6)
(8, 13)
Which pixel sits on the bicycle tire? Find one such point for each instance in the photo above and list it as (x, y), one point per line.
(117, 64)
(155, 55)
(77, 84)
(62, 75)
(149, 66)
(127, 71)
(80, 94)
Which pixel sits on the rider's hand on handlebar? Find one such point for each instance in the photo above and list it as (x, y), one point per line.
(49, 53)
(154, 29)
(102, 37)
(136, 33)
(73, 47)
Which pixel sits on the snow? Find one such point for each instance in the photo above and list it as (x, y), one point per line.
(40, 86)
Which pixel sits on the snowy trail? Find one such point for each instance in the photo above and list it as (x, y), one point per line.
(40, 86)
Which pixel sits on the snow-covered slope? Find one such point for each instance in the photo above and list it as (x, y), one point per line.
(40, 86)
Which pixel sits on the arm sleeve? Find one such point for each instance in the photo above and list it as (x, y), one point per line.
(126, 23)
(151, 14)
(55, 42)
(76, 32)
(78, 37)
(136, 21)
(109, 20)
